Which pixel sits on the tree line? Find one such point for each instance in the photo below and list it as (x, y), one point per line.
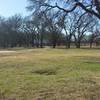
(53, 23)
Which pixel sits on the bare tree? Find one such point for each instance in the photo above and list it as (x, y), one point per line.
(69, 27)
(94, 36)
(53, 28)
(84, 24)
(90, 6)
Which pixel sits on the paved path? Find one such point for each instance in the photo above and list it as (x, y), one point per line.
(7, 51)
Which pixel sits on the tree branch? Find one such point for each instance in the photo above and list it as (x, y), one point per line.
(65, 10)
(87, 10)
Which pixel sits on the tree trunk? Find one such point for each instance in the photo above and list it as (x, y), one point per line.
(68, 44)
(54, 45)
(78, 44)
(91, 43)
(41, 44)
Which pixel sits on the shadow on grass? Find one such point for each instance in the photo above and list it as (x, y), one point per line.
(46, 71)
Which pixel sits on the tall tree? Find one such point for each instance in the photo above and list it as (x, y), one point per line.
(90, 6)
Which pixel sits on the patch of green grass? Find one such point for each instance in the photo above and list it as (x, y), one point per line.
(50, 74)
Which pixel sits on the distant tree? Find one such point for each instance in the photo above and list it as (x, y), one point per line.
(53, 28)
(69, 27)
(9, 31)
(94, 36)
(84, 24)
(29, 31)
(3, 33)
(13, 25)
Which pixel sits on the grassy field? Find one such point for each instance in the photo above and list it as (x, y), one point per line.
(50, 74)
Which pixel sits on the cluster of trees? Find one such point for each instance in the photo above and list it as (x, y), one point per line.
(52, 23)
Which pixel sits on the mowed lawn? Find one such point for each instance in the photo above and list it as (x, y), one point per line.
(50, 74)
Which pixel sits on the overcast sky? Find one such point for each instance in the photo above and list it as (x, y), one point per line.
(11, 7)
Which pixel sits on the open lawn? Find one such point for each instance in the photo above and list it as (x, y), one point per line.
(50, 74)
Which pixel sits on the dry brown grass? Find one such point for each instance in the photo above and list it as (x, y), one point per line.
(50, 74)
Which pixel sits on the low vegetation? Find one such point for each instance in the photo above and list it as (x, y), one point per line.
(50, 74)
